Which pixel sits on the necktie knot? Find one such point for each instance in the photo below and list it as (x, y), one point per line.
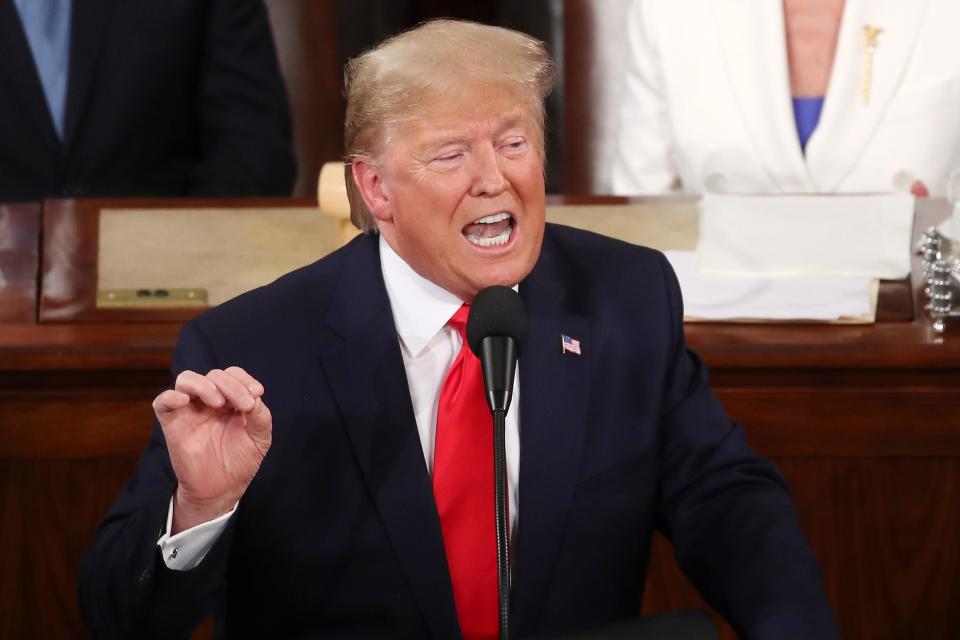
(459, 320)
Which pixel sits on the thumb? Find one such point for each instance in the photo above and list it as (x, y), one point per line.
(169, 401)
(259, 422)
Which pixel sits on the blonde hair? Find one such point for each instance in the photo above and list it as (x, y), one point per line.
(389, 84)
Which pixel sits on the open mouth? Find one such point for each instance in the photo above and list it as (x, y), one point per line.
(490, 231)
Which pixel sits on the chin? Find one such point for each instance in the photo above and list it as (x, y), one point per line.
(503, 277)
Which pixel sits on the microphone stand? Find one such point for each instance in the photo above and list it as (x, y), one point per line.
(502, 519)
(499, 384)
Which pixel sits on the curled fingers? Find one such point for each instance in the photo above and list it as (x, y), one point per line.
(234, 390)
(252, 384)
(199, 387)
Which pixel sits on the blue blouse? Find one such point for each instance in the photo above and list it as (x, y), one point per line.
(806, 111)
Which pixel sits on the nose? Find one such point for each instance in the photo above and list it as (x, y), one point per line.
(488, 178)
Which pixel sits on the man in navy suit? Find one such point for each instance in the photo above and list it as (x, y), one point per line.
(316, 517)
(140, 98)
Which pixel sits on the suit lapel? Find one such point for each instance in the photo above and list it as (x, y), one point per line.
(89, 28)
(553, 406)
(755, 52)
(16, 62)
(365, 369)
(847, 123)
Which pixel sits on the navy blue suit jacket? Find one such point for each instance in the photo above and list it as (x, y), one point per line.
(164, 98)
(338, 535)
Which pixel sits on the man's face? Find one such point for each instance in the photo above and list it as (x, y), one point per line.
(459, 192)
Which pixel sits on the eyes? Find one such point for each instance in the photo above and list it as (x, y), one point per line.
(514, 145)
(449, 157)
(510, 147)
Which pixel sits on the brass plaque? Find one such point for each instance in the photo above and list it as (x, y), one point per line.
(150, 298)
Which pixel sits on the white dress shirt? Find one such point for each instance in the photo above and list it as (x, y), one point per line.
(429, 346)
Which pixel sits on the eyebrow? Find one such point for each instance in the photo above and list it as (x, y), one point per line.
(510, 123)
(444, 140)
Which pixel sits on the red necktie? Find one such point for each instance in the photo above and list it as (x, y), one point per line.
(463, 490)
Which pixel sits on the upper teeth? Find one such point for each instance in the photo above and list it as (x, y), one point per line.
(496, 217)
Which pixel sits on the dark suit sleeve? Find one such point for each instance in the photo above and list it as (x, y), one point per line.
(727, 511)
(124, 587)
(244, 114)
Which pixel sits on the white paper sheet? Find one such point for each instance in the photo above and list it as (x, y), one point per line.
(950, 227)
(707, 297)
(804, 235)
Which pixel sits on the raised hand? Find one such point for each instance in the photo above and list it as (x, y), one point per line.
(218, 431)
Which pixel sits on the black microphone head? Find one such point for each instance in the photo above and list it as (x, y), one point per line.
(496, 311)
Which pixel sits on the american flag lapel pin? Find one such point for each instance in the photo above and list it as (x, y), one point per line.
(569, 345)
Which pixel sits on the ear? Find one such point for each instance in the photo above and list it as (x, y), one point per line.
(376, 194)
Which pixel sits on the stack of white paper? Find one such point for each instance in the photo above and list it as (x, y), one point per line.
(800, 235)
(951, 226)
(707, 297)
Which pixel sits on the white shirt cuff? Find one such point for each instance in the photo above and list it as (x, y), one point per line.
(188, 548)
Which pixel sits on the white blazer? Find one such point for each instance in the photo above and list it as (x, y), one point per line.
(706, 104)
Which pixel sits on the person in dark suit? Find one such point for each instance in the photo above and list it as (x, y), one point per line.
(136, 98)
(327, 514)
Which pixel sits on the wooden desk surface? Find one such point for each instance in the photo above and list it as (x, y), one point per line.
(862, 420)
(901, 338)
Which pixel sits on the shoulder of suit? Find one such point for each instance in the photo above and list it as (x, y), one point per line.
(590, 242)
(597, 265)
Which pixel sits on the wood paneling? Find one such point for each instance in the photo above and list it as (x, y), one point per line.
(885, 533)
(77, 423)
(19, 261)
(50, 510)
(68, 441)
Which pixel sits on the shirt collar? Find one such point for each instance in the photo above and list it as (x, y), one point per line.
(420, 307)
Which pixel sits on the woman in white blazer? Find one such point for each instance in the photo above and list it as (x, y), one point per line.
(707, 106)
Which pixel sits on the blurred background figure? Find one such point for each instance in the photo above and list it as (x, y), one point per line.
(796, 96)
(138, 97)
